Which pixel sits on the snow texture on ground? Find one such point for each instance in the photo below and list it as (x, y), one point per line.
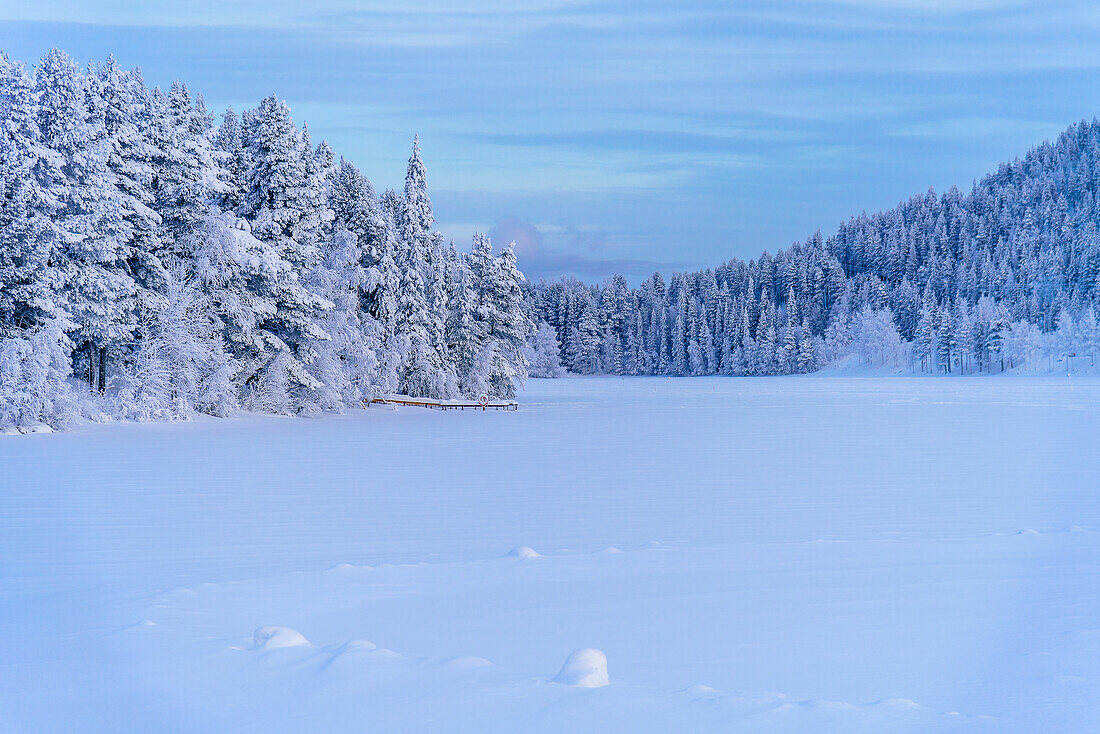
(826, 554)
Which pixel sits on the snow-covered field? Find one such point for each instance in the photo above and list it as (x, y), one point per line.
(751, 555)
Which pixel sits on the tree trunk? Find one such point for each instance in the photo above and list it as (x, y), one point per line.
(91, 366)
(102, 369)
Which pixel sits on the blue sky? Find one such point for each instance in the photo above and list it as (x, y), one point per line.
(626, 136)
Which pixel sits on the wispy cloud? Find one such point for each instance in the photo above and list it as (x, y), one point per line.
(707, 128)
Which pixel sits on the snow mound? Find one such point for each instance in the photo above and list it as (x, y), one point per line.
(357, 646)
(824, 704)
(611, 551)
(1027, 531)
(143, 625)
(273, 638)
(701, 691)
(1075, 529)
(384, 653)
(468, 662)
(654, 544)
(585, 668)
(522, 552)
(343, 567)
(700, 688)
(902, 704)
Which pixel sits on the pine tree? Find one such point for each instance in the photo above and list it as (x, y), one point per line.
(582, 341)
(807, 358)
(509, 328)
(945, 339)
(186, 167)
(465, 335)
(27, 233)
(789, 362)
(280, 187)
(255, 293)
(416, 234)
(346, 364)
(229, 141)
(281, 199)
(764, 362)
(420, 374)
(91, 276)
(116, 101)
(924, 341)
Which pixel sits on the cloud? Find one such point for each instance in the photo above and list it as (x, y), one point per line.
(966, 128)
(527, 237)
(564, 255)
(555, 264)
(607, 135)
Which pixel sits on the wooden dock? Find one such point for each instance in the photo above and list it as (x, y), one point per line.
(482, 403)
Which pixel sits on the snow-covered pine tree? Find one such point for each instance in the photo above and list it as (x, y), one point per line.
(416, 233)
(27, 233)
(92, 279)
(314, 218)
(281, 200)
(764, 362)
(273, 200)
(465, 335)
(501, 323)
(256, 294)
(116, 101)
(789, 361)
(229, 142)
(187, 169)
(1089, 330)
(356, 210)
(807, 359)
(421, 373)
(237, 273)
(345, 364)
(509, 328)
(945, 339)
(583, 341)
(924, 340)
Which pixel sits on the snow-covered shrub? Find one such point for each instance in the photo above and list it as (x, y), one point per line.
(346, 364)
(34, 380)
(875, 338)
(269, 390)
(544, 353)
(181, 367)
(1023, 344)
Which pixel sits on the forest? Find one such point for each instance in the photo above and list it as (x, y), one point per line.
(158, 262)
(175, 266)
(1004, 277)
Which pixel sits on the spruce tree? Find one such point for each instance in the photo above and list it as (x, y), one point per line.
(27, 231)
(89, 260)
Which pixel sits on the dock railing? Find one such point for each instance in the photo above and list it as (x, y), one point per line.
(482, 403)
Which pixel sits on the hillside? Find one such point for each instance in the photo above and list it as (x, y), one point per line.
(1004, 275)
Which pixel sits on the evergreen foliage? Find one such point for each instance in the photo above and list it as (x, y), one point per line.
(178, 268)
(1004, 276)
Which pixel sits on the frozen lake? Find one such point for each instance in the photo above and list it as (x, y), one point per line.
(751, 554)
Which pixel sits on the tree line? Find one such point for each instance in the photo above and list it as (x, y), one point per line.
(178, 265)
(1005, 276)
